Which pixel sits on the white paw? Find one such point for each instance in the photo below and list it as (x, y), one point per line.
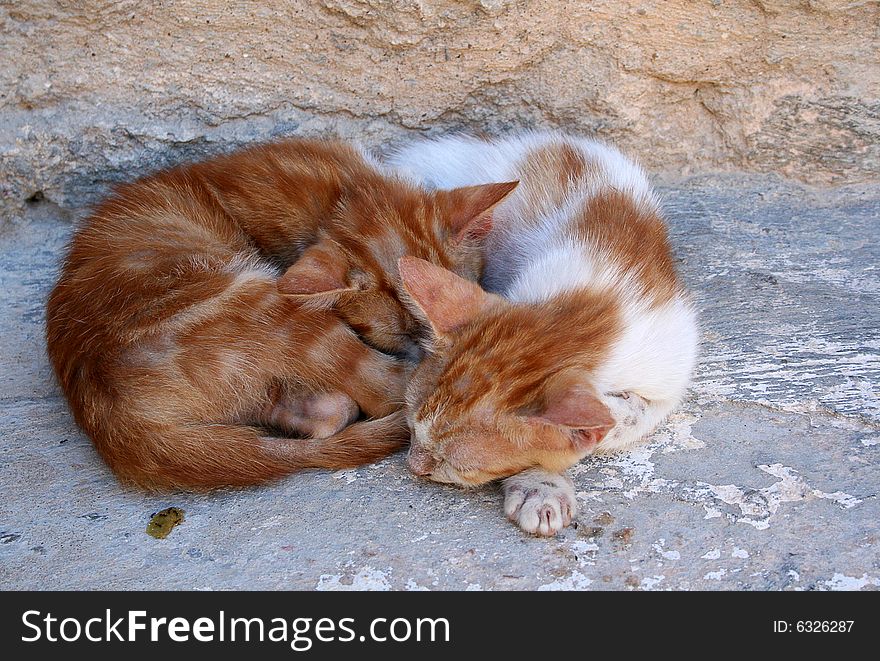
(540, 502)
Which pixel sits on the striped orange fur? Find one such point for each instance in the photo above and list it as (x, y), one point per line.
(207, 313)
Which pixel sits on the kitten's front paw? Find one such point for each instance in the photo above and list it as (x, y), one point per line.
(540, 502)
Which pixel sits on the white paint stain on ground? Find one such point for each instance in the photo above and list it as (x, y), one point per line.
(365, 579)
(583, 549)
(842, 582)
(637, 468)
(412, 586)
(349, 475)
(663, 553)
(712, 512)
(632, 472)
(676, 434)
(816, 374)
(651, 582)
(757, 506)
(635, 473)
(576, 581)
(585, 552)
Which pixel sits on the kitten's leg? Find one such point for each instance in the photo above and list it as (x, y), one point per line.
(315, 415)
(539, 502)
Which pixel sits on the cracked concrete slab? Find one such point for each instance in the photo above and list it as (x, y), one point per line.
(766, 478)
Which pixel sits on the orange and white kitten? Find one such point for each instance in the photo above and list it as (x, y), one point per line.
(584, 341)
(207, 313)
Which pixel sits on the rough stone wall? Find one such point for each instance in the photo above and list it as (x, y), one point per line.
(94, 91)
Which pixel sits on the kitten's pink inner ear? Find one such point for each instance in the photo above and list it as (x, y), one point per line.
(447, 301)
(582, 411)
(317, 271)
(471, 208)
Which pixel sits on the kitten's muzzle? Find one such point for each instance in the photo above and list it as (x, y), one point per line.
(420, 462)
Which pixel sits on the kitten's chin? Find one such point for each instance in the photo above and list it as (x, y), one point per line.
(444, 473)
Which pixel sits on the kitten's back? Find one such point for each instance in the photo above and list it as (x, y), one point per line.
(558, 173)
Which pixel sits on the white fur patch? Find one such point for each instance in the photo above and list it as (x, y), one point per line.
(562, 266)
(653, 360)
(422, 433)
(656, 354)
(462, 160)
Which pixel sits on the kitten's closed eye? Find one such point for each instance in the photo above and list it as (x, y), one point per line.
(407, 348)
(414, 353)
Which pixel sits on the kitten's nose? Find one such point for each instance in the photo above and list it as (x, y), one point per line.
(420, 462)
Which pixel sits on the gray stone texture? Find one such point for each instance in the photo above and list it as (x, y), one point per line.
(766, 478)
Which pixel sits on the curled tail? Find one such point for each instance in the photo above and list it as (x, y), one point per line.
(207, 456)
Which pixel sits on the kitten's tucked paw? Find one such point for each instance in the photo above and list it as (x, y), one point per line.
(540, 502)
(327, 414)
(319, 415)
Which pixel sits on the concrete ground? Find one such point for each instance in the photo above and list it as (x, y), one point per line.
(767, 478)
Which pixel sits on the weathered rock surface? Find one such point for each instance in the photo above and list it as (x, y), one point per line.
(94, 92)
(767, 478)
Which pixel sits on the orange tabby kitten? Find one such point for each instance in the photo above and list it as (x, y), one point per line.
(590, 344)
(177, 344)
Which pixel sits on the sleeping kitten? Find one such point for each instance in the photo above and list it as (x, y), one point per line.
(590, 344)
(177, 344)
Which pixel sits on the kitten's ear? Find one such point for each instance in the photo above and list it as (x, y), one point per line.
(319, 272)
(440, 297)
(578, 409)
(469, 209)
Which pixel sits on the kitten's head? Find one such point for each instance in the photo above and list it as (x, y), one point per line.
(353, 268)
(503, 387)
